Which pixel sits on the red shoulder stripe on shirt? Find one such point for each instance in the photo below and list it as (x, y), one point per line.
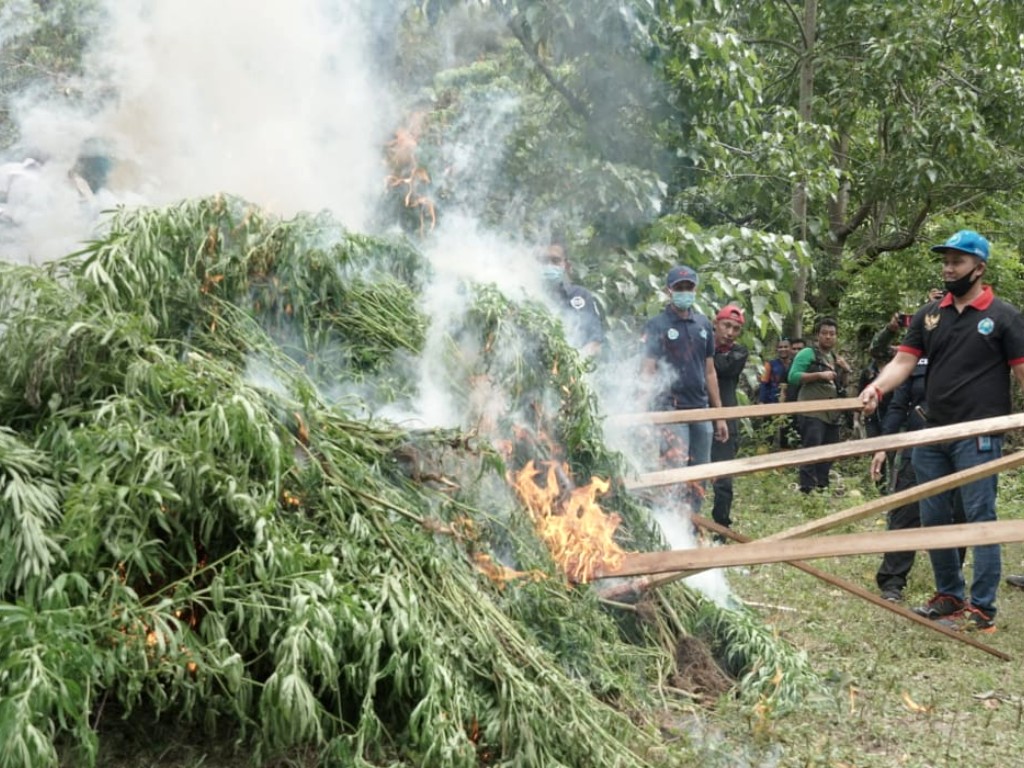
(982, 302)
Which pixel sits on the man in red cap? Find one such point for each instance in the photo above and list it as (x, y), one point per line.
(730, 360)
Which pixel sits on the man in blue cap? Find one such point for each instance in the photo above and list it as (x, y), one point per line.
(970, 338)
(680, 341)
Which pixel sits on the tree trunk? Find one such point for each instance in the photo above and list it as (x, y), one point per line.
(805, 108)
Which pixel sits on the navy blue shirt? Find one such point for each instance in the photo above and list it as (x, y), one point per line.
(684, 344)
(580, 315)
(902, 411)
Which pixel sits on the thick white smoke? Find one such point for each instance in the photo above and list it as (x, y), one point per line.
(272, 101)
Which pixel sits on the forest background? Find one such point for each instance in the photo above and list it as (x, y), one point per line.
(800, 156)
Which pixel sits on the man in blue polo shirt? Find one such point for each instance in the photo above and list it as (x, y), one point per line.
(970, 339)
(679, 366)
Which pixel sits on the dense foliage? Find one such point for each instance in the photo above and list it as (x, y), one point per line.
(892, 125)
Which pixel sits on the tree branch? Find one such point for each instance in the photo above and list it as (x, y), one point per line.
(799, 23)
(518, 31)
(900, 241)
(850, 226)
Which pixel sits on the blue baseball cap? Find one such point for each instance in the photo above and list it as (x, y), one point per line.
(966, 241)
(680, 274)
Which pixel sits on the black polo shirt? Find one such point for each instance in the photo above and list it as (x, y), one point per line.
(685, 344)
(969, 356)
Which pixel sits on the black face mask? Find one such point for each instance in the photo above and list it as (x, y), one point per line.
(962, 285)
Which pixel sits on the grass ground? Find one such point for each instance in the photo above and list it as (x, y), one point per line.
(906, 696)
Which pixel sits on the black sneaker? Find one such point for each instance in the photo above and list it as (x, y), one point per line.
(1015, 581)
(892, 594)
(941, 606)
(979, 621)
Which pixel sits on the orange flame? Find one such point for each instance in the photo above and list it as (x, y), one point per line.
(575, 528)
(406, 170)
(501, 574)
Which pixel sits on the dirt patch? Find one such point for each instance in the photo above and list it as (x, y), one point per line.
(698, 672)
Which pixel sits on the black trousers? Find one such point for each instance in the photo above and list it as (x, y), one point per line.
(815, 432)
(721, 513)
(895, 567)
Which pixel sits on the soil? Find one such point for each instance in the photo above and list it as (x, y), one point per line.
(698, 672)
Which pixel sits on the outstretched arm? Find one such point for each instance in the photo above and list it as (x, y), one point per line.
(894, 374)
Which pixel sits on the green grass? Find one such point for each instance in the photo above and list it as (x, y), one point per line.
(906, 696)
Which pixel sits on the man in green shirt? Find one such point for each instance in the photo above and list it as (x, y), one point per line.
(819, 374)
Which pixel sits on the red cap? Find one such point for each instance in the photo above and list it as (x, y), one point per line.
(731, 312)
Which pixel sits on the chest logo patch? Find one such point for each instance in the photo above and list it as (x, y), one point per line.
(986, 326)
(577, 302)
(931, 322)
(672, 334)
(704, 333)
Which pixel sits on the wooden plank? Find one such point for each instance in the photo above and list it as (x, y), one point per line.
(832, 452)
(898, 499)
(853, 589)
(784, 550)
(733, 412)
(885, 503)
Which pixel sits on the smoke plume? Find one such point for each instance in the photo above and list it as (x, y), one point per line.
(272, 101)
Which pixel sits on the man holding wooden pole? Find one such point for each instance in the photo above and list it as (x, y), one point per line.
(970, 338)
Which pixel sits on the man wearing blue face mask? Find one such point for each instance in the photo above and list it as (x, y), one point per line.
(584, 328)
(679, 365)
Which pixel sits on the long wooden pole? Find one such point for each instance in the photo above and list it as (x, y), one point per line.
(827, 452)
(859, 591)
(898, 499)
(758, 552)
(734, 412)
(877, 506)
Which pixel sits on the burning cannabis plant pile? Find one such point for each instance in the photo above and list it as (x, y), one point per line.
(201, 520)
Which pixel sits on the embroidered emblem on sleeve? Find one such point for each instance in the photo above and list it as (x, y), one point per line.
(986, 326)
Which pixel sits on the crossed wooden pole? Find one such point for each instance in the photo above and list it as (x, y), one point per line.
(784, 546)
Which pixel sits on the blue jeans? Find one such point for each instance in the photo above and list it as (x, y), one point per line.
(691, 445)
(979, 503)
